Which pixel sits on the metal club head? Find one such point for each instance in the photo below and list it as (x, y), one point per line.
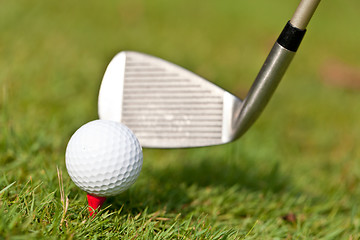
(166, 105)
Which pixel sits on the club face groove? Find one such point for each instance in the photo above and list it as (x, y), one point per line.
(165, 105)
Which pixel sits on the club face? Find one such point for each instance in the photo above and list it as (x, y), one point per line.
(166, 105)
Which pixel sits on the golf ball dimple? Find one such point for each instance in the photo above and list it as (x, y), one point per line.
(103, 158)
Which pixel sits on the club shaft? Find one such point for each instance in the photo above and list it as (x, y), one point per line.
(303, 13)
(275, 66)
(263, 87)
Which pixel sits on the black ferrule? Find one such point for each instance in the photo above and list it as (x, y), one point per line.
(290, 38)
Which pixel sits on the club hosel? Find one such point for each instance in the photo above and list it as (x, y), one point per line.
(269, 77)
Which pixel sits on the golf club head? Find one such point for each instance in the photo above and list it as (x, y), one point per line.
(166, 105)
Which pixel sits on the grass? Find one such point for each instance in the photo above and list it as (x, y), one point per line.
(294, 175)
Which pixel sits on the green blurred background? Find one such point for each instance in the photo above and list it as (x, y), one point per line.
(304, 150)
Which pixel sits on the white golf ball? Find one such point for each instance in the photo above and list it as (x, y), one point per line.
(104, 158)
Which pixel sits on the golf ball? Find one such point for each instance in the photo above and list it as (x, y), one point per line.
(103, 158)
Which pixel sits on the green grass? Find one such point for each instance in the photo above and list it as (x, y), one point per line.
(301, 157)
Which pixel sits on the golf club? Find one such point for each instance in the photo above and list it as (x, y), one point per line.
(168, 106)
